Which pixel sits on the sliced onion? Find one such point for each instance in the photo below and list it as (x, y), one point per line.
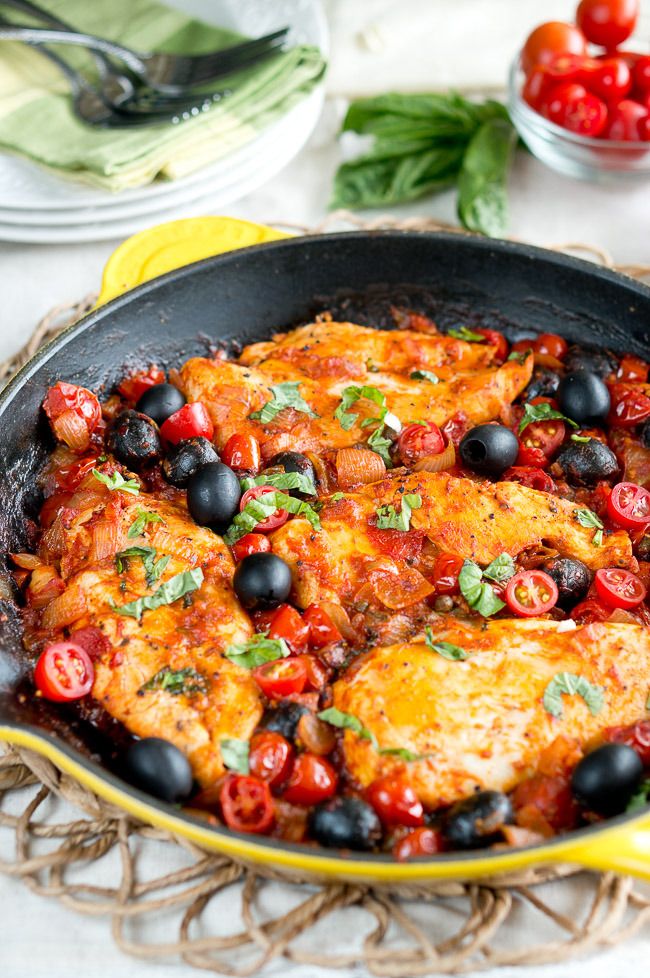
(623, 617)
(87, 499)
(315, 735)
(72, 430)
(53, 540)
(402, 589)
(516, 835)
(26, 561)
(64, 610)
(437, 463)
(320, 468)
(340, 619)
(104, 540)
(44, 586)
(358, 466)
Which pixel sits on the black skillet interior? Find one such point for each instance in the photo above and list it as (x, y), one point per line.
(244, 296)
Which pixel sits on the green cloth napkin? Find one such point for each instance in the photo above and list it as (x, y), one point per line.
(37, 121)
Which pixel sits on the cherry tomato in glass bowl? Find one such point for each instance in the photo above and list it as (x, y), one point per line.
(529, 476)
(446, 569)
(272, 522)
(64, 672)
(548, 41)
(552, 345)
(288, 624)
(418, 440)
(572, 107)
(191, 421)
(636, 736)
(530, 593)
(74, 414)
(251, 543)
(629, 406)
(133, 387)
(322, 630)
(608, 78)
(271, 757)
(280, 678)
(619, 588)
(496, 339)
(589, 611)
(644, 126)
(246, 804)
(312, 780)
(419, 842)
(607, 22)
(242, 452)
(395, 801)
(632, 369)
(629, 506)
(624, 121)
(641, 73)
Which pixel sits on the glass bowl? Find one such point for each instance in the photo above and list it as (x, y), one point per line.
(598, 160)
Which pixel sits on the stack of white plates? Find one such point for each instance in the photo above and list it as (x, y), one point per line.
(38, 206)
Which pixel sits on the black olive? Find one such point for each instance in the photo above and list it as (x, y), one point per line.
(213, 495)
(645, 434)
(543, 383)
(134, 440)
(605, 780)
(345, 823)
(262, 581)
(161, 401)
(586, 463)
(295, 462)
(158, 767)
(284, 718)
(186, 458)
(583, 397)
(489, 448)
(572, 578)
(476, 821)
(599, 362)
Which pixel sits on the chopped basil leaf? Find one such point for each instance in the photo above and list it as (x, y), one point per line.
(463, 333)
(350, 396)
(281, 480)
(586, 517)
(381, 445)
(143, 517)
(153, 570)
(336, 496)
(117, 481)
(519, 356)
(284, 395)
(502, 568)
(257, 510)
(388, 518)
(640, 798)
(597, 538)
(478, 593)
(177, 681)
(234, 754)
(347, 721)
(572, 685)
(445, 649)
(424, 375)
(173, 589)
(541, 412)
(258, 650)
(583, 439)
(403, 753)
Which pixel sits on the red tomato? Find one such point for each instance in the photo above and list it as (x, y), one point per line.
(272, 522)
(624, 121)
(281, 677)
(537, 84)
(545, 802)
(312, 780)
(133, 387)
(417, 440)
(317, 673)
(531, 593)
(74, 414)
(609, 79)
(545, 436)
(619, 588)
(629, 406)
(571, 106)
(287, 624)
(632, 369)
(607, 22)
(524, 346)
(636, 736)
(589, 611)
(92, 640)
(552, 345)
(191, 421)
(496, 339)
(549, 40)
(530, 476)
(395, 801)
(251, 543)
(69, 476)
(419, 842)
(64, 672)
(246, 804)
(446, 569)
(242, 452)
(456, 428)
(270, 758)
(322, 630)
(644, 126)
(531, 458)
(642, 73)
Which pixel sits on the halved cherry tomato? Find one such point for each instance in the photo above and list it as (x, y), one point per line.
(74, 414)
(446, 569)
(272, 522)
(312, 780)
(552, 345)
(636, 736)
(607, 22)
(548, 41)
(571, 106)
(281, 677)
(322, 630)
(242, 452)
(531, 458)
(629, 406)
(531, 593)
(246, 804)
(191, 421)
(624, 120)
(317, 673)
(69, 476)
(64, 672)
(545, 436)
(395, 801)
(629, 506)
(271, 757)
(530, 476)
(589, 611)
(133, 387)
(496, 339)
(251, 543)
(418, 440)
(632, 369)
(419, 842)
(288, 624)
(619, 588)
(456, 428)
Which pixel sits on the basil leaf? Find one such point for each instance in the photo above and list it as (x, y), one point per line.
(424, 375)
(482, 182)
(381, 445)
(173, 589)
(519, 356)
(143, 517)
(541, 412)
(258, 650)
(572, 685)
(284, 395)
(117, 481)
(640, 798)
(349, 396)
(463, 333)
(597, 538)
(582, 439)
(281, 480)
(586, 517)
(502, 568)
(445, 649)
(390, 519)
(479, 595)
(347, 721)
(403, 753)
(257, 510)
(153, 570)
(177, 681)
(235, 754)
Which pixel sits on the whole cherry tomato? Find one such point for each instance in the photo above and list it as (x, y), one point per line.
(552, 345)
(418, 440)
(548, 41)
(446, 569)
(619, 588)
(271, 757)
(64, 672)
(529, 476)
(531, 593)
(312, 780)
(246, 804)
(191, 421)
(644, 126)
(607, 22)
(272, 522)
(589, 611)
(629, 406)
(242, 452)
(629, 506)
(251, 543)
(636, 736)
(419, 842)
(609, 78)
(642, 73)
(625, 119)
(572, 107)
(497, 340)
(280, 678)
(632, 369)
(538, 82)
(74, 414)
(322, 630)
(395, 801)
(288, 624)
(133, 387)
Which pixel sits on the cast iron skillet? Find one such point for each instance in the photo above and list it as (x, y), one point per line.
(244, 296)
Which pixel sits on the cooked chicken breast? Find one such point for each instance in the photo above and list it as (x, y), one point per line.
(482, 722)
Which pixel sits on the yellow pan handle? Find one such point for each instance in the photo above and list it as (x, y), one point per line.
(623, 849)
(165, 247)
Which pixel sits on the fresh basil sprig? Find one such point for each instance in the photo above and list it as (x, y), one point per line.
(117, 481)
(349, 396)
(482, 181)
(587, 518)
(143, 517)
(478, 593)
(176, 681)
(541, 412)
(257, 510)
(173, 589)
(502, 568)
(388, 518)
(281, 480)
(283, 396)
(572, 685)
(446, 649)
(257, 650)
(153, 568)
